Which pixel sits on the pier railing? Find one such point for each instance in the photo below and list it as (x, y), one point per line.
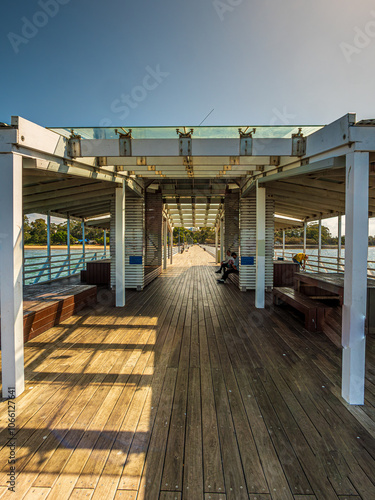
(44, 269)
(315, 263)
(324, 263)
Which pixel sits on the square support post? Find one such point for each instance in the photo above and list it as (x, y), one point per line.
(222, 251)
(304, 236)
(260, 247)
(120, 245)
(171, 245)
(339, 223)
(105, 242)
(49, 245)
(68, 242)
(216, 244)
(165, 237)
(319, 243)
(355, 283)
(283, 243)
(11, 253)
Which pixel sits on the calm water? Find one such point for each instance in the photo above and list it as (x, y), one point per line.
(36, 269)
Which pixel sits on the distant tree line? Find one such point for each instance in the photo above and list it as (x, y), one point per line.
(204, 235)
(35, 233)
(295, 236)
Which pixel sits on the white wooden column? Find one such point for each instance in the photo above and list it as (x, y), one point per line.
(216, 243)
(355, 284)
(171, 245)
(283, 243)
(68, 242)
(339, 222)
(165, 234)
(260, 246)
(319, 243)
(120, 245)
(222, 250)
(105, 241)
(11, 296)
(49, 245)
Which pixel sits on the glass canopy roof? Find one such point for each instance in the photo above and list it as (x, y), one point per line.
(262, 132)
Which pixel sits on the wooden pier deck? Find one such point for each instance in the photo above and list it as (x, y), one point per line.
(188, 393)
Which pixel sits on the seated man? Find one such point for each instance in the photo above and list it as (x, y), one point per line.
(225, 263)
(300, 258)
(232, 268)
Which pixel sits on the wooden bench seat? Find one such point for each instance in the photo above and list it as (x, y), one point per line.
(313, 311)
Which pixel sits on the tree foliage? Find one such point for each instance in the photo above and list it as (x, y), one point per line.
(35, 233)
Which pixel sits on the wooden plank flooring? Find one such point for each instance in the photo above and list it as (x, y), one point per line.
(189, 393)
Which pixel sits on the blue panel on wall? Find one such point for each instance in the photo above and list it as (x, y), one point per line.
(247, 261)
(134, 259)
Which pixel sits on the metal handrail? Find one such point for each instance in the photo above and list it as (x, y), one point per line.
(317, 264)
(51, 268)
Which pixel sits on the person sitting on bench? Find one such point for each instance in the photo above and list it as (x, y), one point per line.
(300, 258)
(232, 268)
(225, 263)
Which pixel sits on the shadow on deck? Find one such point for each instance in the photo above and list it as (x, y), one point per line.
(189, 393)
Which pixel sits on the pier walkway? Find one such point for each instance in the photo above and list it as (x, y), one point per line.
(188, 392)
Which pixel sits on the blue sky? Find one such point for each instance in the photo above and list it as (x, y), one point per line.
(253, 62)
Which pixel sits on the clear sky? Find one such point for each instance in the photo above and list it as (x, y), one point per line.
(253, 62)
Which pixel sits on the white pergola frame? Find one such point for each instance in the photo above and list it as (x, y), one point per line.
(341, 145)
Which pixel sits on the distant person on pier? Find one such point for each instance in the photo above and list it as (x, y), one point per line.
(301, 259)
(232, 268)
(225, 263)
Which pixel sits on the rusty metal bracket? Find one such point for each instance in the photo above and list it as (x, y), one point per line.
(185, 142)
(246, 141)
(298, 144)
(74, 145)
(125, 139)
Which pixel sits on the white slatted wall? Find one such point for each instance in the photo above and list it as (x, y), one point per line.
(134, 239)
(248, 242)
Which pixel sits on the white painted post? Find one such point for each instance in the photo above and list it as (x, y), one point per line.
(221, 240)
(339, 229)
(105, 242)
(68, 242)
(120, 245)
(283, 243)
(320, 243)
(260, 247)
(165, 234)
(304, 236)
(355, 282)
(216, 243)
(49, 245)
(83, 243)
(171, 244)
(11, 292)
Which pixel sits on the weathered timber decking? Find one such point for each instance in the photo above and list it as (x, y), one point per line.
(188, 393)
